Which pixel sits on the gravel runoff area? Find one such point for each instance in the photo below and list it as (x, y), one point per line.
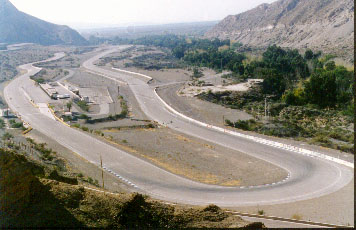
(193, 158)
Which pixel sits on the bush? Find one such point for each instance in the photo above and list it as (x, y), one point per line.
(2, 123)
(244, 125)
(346, 148)
(229, 123)
(294, 97)
(40, 80)
(85, 129)
(83, 105)
(322, 140)
(76, 126)
(84, 117)
(7, 136)
(98, 132)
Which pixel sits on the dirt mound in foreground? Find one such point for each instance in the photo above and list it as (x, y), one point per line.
(42, 202)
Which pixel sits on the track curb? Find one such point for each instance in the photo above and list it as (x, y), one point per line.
(290, 220)
(291, 148)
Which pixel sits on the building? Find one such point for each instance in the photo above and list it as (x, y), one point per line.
(6, 113)
(49, 90)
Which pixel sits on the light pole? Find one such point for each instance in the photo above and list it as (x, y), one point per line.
(102, 171)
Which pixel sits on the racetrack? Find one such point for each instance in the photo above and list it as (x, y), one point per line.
(309, 177)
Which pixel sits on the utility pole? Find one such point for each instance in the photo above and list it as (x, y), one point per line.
(223, 120)
(268, 111)
(265, 107)
(102, 171)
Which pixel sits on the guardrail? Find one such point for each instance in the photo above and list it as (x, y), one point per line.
(289, 220)
(27, 131)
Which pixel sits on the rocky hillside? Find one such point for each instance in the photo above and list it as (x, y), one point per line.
(18, 27)
(326, 25)
(29, 197)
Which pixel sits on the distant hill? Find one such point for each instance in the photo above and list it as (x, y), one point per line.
(326, 25)
(18, 27)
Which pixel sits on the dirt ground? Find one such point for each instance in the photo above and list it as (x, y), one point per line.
(193, 158)
(201, 110)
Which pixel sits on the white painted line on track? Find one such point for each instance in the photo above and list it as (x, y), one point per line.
(258, 139)
(291, 148)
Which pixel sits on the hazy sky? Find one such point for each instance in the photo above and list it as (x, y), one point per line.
(92, 13)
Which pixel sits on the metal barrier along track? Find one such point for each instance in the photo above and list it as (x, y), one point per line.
(317, 224)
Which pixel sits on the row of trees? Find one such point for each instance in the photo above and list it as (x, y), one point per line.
(328, 87)
(179, 45)
(303, 80)
(297, 79)
(215, 59)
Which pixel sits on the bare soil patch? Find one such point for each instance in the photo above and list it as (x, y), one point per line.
(193, 158)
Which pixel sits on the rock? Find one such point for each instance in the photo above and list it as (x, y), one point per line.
(325, 25)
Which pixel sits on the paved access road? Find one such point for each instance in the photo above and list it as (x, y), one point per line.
(308, 177)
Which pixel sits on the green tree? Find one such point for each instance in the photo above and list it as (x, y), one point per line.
(197, 73)
(321, 89)
(330, 65)
(294, 97)
(345, 84)
(288, 62)
(178, 51)
(308, 54)
(69, 106)
(273, 83)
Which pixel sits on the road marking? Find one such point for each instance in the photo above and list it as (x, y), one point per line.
(139, 74)
(120, 177)
(103, 75)
(259, 139)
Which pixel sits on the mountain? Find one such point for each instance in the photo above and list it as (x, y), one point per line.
(19, 27)
(326, 25)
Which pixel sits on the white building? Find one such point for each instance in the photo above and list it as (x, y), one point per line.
(6, 113)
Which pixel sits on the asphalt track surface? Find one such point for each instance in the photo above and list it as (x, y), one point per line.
(308, 177)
